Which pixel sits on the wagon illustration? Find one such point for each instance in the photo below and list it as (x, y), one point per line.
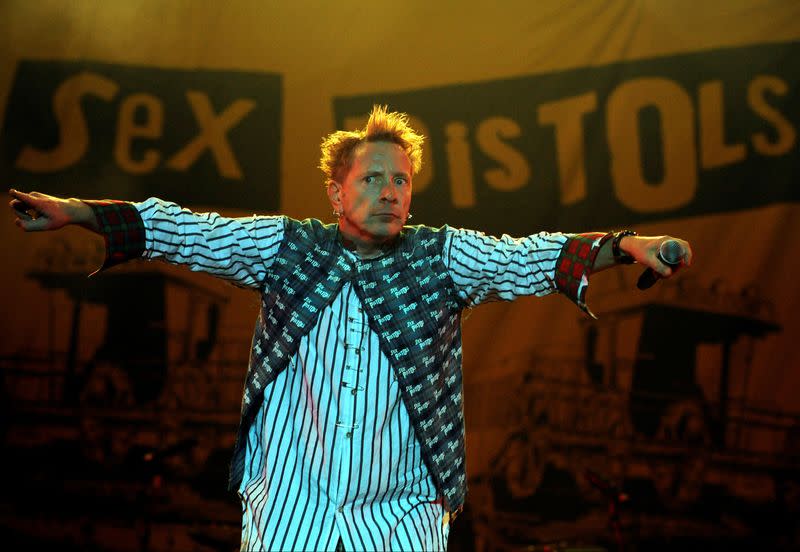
(655, 406)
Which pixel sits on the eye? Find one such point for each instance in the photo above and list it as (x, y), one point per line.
(369, 179)
(400, 180)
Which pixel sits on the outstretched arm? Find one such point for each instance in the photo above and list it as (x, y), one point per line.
(240, 250)
(485, 268)
(37, 212)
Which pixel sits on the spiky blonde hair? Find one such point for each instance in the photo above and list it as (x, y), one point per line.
(382, 126)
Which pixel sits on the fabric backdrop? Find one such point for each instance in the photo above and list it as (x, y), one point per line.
(667, 117)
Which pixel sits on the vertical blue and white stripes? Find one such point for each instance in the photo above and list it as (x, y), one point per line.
(332, 453)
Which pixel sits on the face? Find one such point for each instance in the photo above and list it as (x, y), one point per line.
(375, 195)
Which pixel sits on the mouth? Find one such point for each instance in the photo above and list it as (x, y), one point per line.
(386, 215)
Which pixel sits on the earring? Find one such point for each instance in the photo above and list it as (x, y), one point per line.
(410, 216)
(337, 214)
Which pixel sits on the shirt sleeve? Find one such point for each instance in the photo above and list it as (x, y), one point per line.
(122, 230)
(240, 250)
(485, 268)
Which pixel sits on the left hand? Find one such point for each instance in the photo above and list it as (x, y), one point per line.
(645, 250)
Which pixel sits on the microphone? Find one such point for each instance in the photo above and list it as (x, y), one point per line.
(670, 253)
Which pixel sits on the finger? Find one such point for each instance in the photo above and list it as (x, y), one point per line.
(26, 204)
(687, 258)
(18, 204)
(22, 196)
(20, 209)
(33, 225)
(663, 269)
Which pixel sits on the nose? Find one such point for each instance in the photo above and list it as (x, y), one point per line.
(389, 192)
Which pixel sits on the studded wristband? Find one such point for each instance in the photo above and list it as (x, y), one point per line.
(620, 257)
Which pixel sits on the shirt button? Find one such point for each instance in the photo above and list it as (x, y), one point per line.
(340, 509)
(349, 434)
(353, 392)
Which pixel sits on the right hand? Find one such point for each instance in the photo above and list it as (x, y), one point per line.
(36, 212)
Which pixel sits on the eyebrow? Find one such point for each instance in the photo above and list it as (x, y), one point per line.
(379, 173)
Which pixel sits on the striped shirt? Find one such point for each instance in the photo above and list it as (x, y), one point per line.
(332, 453)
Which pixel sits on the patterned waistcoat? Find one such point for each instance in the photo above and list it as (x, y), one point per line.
(411, 304)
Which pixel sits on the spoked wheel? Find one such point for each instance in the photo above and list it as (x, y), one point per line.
(680, 483)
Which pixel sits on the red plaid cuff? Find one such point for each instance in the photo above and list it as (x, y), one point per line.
(122, 229)
(575, 264)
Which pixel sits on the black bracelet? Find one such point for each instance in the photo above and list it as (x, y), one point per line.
(621, 257)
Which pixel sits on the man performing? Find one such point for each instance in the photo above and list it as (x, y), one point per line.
(351, 434)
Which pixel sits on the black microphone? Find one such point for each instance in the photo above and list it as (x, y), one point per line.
(670, 253)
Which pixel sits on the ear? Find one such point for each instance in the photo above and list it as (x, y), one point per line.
(334, 194)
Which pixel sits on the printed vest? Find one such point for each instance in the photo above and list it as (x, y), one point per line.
(411, 304)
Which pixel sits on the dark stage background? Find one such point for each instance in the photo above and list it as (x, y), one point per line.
(120, 393)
